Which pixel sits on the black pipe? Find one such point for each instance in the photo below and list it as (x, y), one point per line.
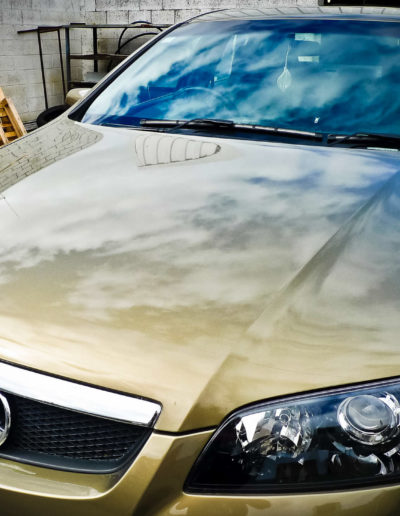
(95, 63)
(42, 68)
(128, 41)
(68, 57)
(61, 62)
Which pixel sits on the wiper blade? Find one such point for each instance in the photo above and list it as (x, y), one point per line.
(280, 131)
(121, 126)
(214, 123)
(194, 122)
(365, 139)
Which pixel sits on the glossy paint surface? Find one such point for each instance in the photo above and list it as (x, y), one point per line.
(161, 280)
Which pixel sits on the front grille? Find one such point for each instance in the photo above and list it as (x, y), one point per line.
(55, 437)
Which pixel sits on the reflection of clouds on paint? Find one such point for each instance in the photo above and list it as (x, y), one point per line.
(230, 70)
(366, 270)
(226, 232)
(144, 279)
(351, 289)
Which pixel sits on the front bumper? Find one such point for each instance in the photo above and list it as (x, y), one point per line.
(152, 486)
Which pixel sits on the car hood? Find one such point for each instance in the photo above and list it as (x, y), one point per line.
(203, 273)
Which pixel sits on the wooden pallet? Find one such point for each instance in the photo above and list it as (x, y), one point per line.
(11, 126)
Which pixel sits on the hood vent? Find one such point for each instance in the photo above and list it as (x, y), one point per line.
(156, 149)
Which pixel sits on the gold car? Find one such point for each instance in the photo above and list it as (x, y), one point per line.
(200, 278)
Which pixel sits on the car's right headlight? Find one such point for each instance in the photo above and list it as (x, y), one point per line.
(322, 441)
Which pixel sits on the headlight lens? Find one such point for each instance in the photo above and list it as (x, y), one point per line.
(332, 440)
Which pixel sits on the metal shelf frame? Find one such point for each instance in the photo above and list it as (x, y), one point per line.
(95, 56)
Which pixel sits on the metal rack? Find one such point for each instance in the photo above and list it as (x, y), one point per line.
(95, 56)
(39, 31)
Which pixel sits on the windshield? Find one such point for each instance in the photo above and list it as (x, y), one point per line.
(335, 76)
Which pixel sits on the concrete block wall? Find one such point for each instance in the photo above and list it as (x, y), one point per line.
(173, 11)
(20, 74)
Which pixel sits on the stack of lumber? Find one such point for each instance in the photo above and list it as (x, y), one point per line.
(11, 126)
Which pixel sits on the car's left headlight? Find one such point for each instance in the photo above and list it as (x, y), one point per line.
(330, 440)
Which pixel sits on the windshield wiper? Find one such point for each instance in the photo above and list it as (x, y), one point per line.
(366, 139)
(194, 122)
(214, 123)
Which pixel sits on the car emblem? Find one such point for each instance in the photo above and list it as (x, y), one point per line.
(5, 419)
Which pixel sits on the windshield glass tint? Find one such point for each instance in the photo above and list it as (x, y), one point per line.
(338, 76)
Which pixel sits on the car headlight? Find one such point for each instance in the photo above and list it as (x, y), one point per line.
(330, 440)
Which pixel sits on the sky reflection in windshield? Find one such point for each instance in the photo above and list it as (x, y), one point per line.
(320, 75)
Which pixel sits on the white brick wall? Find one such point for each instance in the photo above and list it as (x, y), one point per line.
(20, 75)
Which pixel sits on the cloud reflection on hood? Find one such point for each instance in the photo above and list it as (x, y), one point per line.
(148, 270)
(345, 302)
(192, 235)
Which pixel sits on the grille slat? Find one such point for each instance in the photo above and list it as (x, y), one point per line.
(55, 434)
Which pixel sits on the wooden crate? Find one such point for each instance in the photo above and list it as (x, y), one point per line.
(11, 126)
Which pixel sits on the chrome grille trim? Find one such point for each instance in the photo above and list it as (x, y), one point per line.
(77, 397)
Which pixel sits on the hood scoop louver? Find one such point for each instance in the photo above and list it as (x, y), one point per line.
(155, 149)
